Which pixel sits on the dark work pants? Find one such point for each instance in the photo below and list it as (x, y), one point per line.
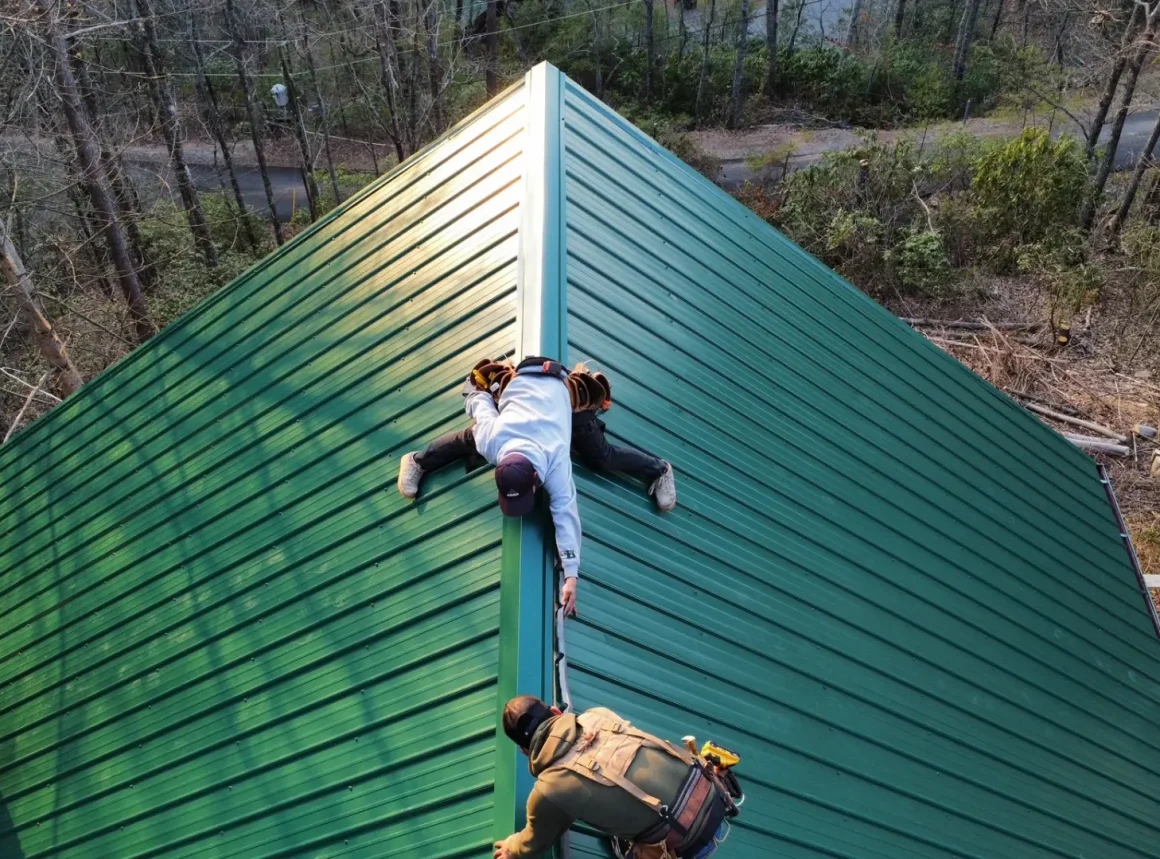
(589, 446)
(448, 448)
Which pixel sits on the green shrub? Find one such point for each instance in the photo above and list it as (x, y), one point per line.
(921, 262)
(1059, 263)
(1029, 189)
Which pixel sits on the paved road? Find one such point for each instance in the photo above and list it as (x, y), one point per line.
(290, 192)
(1137, 128)
(289, 189)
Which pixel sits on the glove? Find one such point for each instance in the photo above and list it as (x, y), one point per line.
(469, 387)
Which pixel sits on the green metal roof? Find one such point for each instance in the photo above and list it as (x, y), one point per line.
(902, 599)
(224, 632)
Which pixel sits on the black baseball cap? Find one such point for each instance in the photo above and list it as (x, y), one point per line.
(522, 716)
(515, 477)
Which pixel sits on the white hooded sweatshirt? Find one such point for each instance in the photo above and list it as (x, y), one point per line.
(534, 419)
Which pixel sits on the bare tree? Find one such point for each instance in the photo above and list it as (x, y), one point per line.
(900, 17)
(1113, 82)
(234, 26)
(649, 51)
(96, 178)
(1142, 164)
(389, 70)
(51, 347)
(1135, 64)
(434, 72)
(772, 11)
(124, 193)
(739, 67)
(492, 49)
(217, 127)
(166, 105)
(596, 59)
(323, 112)
(966, 38)
(682, 5)
(295, 106)
(853, 33)
(708, 29)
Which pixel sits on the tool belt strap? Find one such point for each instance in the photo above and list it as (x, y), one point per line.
(541, 366)
(589, 763)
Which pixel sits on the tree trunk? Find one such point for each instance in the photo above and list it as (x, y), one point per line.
(649, 50)
(900, 17)
(521, 47)
(966, 38)
(772, 12)
(51, 347)
(88, 150)
(388, 71)
(124, 194)
(684, 35)
(855, 24)
(90, 230)
(166, 106)
(299, 130)
(434, 71)
(797, 26)
(1057, 51)
(217, 129)
(704, 59)
(1142, 165)
(414, 132)
(596, 53)
(739, 68)
(1134, 66)
(997, 20)
(492, 49)
(233, 26)
(323, 113)
(1113, 82)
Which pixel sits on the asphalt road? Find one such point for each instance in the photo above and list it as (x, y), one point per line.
(286, 183)
(290, 191)
(735, 172)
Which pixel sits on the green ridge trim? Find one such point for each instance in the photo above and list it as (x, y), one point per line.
(527, 586)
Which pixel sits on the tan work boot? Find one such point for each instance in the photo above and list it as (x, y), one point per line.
(664, 489)
(410, 474)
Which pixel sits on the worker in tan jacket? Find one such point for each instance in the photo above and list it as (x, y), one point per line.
(598, 768)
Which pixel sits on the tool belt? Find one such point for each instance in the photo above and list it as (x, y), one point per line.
(604, 754)
(588, 391)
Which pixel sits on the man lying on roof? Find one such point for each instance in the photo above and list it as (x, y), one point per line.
(528, 419)
(598, 768)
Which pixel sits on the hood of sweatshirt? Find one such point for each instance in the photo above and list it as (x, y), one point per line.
(552, 740)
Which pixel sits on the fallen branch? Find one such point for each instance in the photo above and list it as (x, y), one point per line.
(1067, 410)
(968, 334)
(1079, 422)
(23, 409)
(1095, 445)
(921, 322)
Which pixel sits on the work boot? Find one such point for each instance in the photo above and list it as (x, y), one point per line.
(663, 489)
(410, 474)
